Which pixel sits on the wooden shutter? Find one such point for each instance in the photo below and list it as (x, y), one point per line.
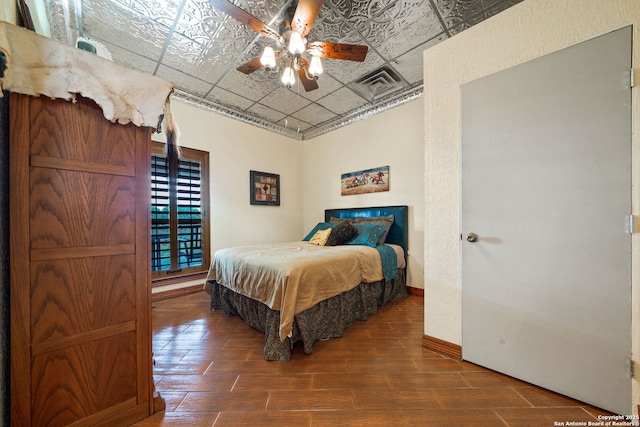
(179, 222)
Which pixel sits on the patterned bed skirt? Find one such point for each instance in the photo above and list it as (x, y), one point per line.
(327, 319)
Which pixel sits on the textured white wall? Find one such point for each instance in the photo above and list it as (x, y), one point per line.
(393, 138)
(526, 31)
(8, 11)
(39, 17)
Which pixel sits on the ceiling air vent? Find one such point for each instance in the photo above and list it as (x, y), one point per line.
(378, 83)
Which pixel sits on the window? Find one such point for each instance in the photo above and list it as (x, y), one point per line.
(179, 219)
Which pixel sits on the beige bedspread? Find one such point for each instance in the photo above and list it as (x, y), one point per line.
(292, 277)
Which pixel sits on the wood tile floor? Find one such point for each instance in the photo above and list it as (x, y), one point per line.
(210, 370)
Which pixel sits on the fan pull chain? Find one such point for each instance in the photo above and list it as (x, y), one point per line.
(298, 110)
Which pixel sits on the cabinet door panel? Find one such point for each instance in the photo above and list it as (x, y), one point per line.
(80, 280)
(65, 131)
(80, 295)
(77, 209)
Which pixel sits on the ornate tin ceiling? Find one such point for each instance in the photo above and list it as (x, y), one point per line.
(198, 48)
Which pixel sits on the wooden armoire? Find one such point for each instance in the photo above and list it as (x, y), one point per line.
(80, 309)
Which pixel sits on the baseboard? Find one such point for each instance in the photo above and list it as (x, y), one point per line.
(419, 292)
(445, 348)
(174, 293)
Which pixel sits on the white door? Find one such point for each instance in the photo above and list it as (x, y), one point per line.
(546, 186)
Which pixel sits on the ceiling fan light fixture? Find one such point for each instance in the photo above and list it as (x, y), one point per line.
(296, 43)
(288, 77)
(315, 67)
(268, 58)
(292, 43)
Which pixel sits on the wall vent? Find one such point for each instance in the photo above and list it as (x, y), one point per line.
(378, 83)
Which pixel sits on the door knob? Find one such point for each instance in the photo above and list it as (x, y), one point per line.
(472, 237)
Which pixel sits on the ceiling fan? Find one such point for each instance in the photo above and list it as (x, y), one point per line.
(292, 43)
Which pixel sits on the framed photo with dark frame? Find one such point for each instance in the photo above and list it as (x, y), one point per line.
(264, 188)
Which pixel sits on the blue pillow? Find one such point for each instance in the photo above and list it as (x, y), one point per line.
(368, 235)
(385, 232)
(318, 227)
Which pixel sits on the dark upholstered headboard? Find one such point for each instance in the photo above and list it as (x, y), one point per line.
(399, 231)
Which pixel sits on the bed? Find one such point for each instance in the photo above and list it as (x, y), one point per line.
(303, 292)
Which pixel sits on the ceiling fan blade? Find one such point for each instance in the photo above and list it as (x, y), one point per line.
(251, 66)
(307, 83)
(305, 15)
(255, 64)
(351, 52)
(246, 18)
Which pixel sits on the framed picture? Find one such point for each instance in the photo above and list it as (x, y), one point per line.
(264, 188)
(365, 181)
